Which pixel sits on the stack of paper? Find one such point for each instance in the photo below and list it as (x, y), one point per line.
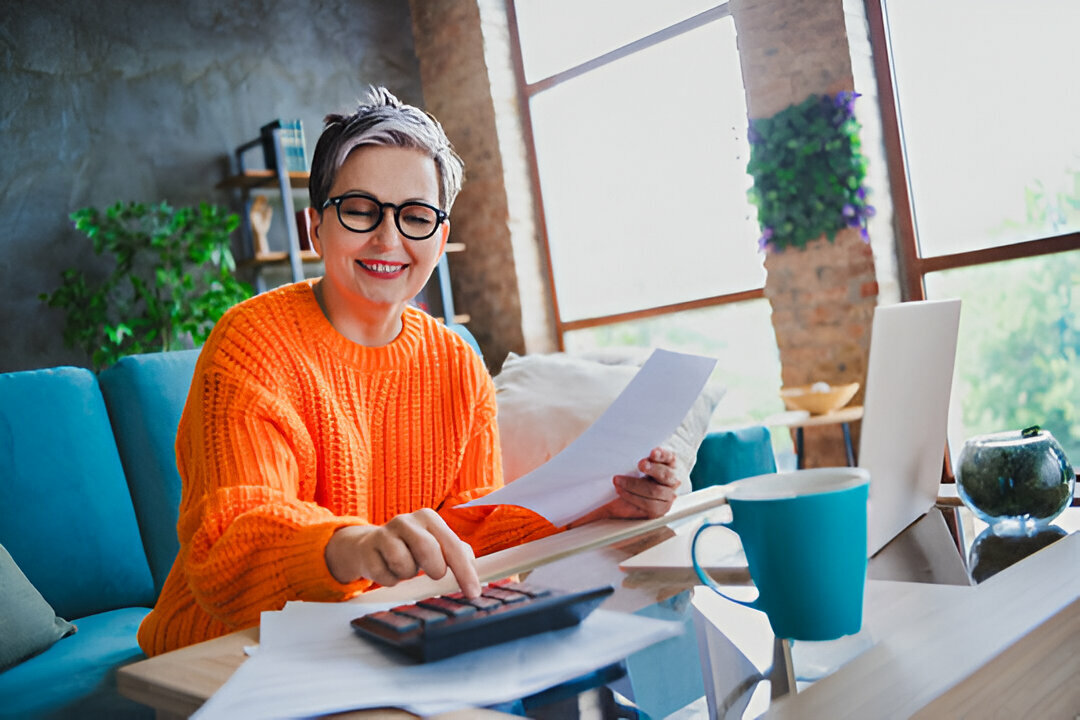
(310, 662)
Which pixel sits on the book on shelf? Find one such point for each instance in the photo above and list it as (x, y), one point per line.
(292, 144)
(303, 230)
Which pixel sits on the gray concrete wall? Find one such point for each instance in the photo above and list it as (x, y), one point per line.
(121, 100)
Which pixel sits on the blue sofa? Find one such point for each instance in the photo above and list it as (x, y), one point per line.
(89, 498)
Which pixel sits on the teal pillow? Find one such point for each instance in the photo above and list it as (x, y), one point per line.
(28, 624)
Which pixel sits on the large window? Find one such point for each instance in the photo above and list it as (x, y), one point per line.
(984, 139)
(636, 115)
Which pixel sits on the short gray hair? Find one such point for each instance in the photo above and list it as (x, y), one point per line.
(383, 120)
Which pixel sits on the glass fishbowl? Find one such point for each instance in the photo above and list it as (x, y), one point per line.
(1016, 481)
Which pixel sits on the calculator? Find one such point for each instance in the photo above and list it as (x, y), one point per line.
(446, 625)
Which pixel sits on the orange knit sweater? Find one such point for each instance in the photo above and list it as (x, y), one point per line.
(291, 431)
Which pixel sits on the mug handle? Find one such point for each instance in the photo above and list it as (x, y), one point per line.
(703, 576)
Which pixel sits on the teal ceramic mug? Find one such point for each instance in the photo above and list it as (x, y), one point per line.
(804, 537)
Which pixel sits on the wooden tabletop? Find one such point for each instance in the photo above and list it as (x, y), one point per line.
(1029, 611)
(1007, 648)
(801, 418)
(177, 683)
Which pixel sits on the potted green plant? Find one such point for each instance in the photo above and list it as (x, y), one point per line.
(808, 172)
(172, 278)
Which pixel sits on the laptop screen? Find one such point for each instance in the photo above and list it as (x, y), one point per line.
(906, 408)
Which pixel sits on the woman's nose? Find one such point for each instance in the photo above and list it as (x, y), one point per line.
(386, 233)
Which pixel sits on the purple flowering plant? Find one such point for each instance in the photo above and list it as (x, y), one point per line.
(808, 172)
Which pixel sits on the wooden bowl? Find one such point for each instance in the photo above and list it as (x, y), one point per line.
(816, 399)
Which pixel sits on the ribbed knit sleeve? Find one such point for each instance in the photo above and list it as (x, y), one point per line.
(253, 531)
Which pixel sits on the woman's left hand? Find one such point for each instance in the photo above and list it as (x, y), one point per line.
(648, 496)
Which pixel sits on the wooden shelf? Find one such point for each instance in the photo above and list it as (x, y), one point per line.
(455, 247)
(271, 258)
(251, 179)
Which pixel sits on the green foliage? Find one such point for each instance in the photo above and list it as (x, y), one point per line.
(171, 279)
(1019, 361)
(808, 172)
(1021, 346)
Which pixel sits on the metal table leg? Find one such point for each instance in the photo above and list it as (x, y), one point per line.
(799, 459)
(847, 445)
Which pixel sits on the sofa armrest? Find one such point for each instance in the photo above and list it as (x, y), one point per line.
(728, 455)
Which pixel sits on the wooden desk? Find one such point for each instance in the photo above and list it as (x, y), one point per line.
(800, 419)
(1009, 648)
(177, 683)
(1030, 612)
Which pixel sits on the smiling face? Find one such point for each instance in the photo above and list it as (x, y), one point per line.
(371, 276)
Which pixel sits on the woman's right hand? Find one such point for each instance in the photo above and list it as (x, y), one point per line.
(409, 543)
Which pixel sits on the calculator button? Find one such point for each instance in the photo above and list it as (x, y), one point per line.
(400, 623)
(450, 607)
(503, 595)
(531, 590)
(428, 616)
(480, 603)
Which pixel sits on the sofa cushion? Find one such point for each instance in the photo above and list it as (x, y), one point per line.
(545, 401)
(28, 624)
(145, 395)
(733, 454)
(76, 677)
(65, 510)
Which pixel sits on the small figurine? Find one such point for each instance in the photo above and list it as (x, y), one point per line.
(260, 215)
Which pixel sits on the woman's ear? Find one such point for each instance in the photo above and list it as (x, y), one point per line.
(445, 236)
(314, 220)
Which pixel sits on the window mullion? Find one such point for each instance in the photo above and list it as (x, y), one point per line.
(903, 212)
(679, 28)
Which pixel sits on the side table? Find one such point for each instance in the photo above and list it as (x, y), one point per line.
(800, 419)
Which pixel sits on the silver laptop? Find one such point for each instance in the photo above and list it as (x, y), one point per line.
(906, 409)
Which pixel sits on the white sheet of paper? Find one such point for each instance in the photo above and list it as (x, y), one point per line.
(643, 416)
(310, 662)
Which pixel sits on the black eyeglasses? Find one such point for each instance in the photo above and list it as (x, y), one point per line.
(363, 213)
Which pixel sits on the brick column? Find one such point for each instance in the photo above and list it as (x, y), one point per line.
(822, 297)
(465, 70)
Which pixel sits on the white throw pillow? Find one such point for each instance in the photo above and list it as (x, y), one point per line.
(545, 401)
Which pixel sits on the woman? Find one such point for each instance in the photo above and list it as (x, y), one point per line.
(331, 429)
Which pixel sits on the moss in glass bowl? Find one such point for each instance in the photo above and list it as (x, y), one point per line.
(1019, 479)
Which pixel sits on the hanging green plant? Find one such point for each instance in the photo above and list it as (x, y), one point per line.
(808, 172)
(171, 279)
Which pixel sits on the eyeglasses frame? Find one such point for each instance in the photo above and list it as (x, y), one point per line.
(441, 215)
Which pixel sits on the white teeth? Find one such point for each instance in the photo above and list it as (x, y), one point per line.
(382, 267)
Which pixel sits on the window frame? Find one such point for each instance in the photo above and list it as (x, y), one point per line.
(526, 91)
(914, 266)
